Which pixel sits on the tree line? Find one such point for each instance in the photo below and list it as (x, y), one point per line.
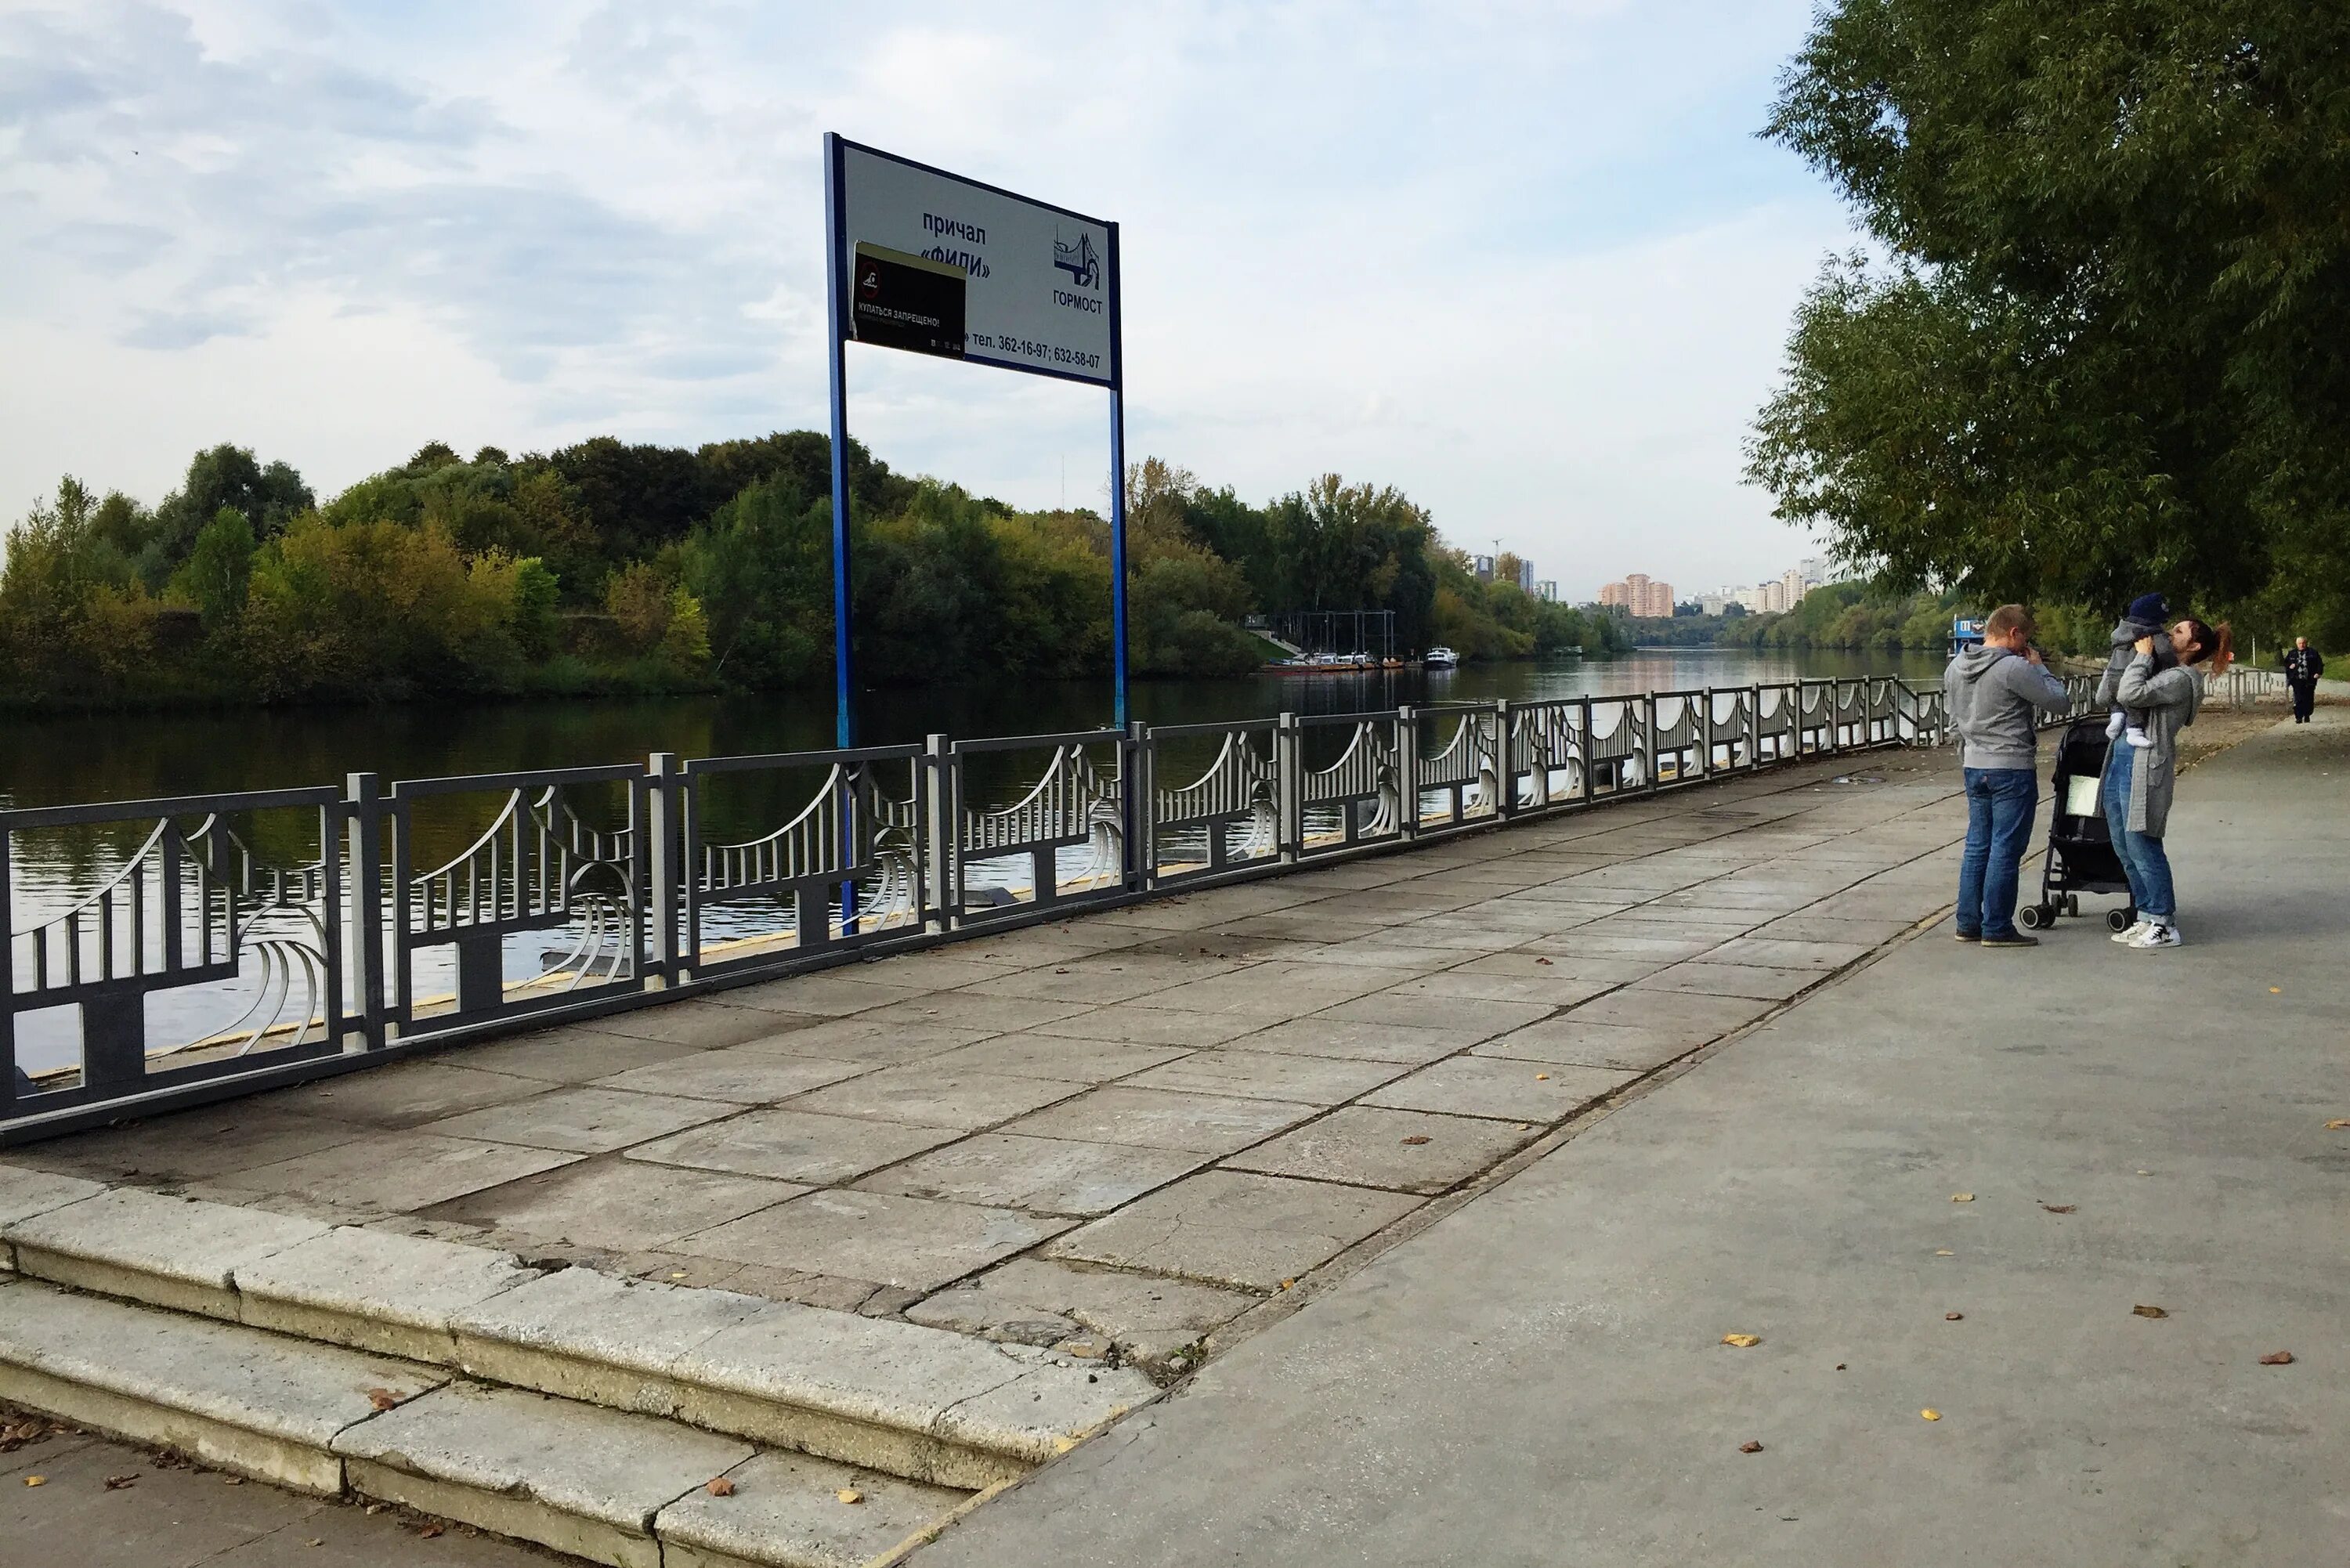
(608, 567)
(2096, 350)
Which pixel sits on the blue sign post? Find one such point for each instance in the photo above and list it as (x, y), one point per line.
(932, 263)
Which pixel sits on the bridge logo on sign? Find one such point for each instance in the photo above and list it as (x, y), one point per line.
(1078, 260)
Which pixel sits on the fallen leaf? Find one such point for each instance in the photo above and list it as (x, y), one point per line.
(2276, 991)
(383, 1398)
(36, 1481)
(2060, 1207)
(376, 1508)
(1286, 1283)
(317, 1540)
(1417, 1138)
(428, 1531)
(1542, 961)
(1839, 1366)
(1742, 1341)
(1954, 1317)
(1932, 1414)
(116, 1484)
(719, 1487)
(1962, 1198)
(1749, 1447)
(2277, 1358)
(1541, 1077)
(2338, 1124)
(1944, 1252)
(2142, 1310)
(849, 1494)
(234, 1480)
(2146, 1173)
(677, 1275)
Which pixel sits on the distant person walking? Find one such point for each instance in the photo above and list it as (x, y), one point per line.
(1996, 693)
(2303, 666)
(2138, 779)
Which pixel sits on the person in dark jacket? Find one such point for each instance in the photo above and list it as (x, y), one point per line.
(2303, 666)
(1995, 695)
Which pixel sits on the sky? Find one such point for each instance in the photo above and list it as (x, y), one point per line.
(1528, 263)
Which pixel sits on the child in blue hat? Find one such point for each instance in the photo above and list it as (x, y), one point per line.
(2148, 616)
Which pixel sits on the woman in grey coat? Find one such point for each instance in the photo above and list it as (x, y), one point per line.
(2137, 781)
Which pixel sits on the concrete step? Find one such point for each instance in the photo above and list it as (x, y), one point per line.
(631, 1490)
(924, 1404)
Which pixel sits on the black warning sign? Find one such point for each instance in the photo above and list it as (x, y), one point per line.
(902, 301)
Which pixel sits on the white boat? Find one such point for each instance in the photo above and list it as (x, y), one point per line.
(1441, 658)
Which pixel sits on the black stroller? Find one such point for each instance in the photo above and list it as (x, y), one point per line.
(2080, 857)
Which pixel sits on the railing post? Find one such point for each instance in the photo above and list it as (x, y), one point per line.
(1135, 787)
(13, 1082)
(1755, 726)
(938, 829)
(1289, 787)
(363, 931)
(1582, 746)
(1649, 763)
(1505, 764)
(661, 840)
(1408, 771)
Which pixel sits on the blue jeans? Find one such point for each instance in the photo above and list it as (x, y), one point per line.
(2142, 856)
(1999, 804)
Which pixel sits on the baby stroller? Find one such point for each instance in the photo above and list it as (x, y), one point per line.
(2080, 857)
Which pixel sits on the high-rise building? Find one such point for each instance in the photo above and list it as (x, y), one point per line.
(1546, 591)
(1483, 567)
(1637, 595)
(1525, 575)
(1714, 602)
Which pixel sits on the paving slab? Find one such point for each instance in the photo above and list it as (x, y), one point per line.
(1050, 1057)
(1270, 1076)
(1320, 1034)
(373, 1290)
(923, 1095)
(1160, 1119)
(25, 1193)
(569, 1476)
(1234, 1228)
(394, 1172)
(788, 1507)
(877, 1042)
(572, 1055)
(624, 1205)
(1043, 1176)
(1773, 952)
(740, 1075)
(584, 1120)
(1664, 1009)
(1704, 978)
(1155, 1323)
(175, 1252)
(582, 1335)
(195, 1145)
(967, 1009)
(1467, 1020)
(1400, 1150)
(231, 1396)
(705, 1023)
(403, 1095)
(913, 1243)
(795, 1146)
(1137, 1024)
(827, 993)
(1046, 1411)
(1513, 1090)
(1271, 990)
(1539, 986)
(1103, 980)
(1630, 1048)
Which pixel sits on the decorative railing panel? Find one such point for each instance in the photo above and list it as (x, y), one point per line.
(160, 949)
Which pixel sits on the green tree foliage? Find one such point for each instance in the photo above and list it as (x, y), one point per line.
(608, 566)
(2103, 353)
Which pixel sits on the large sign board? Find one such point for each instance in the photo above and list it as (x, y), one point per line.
(941, 264)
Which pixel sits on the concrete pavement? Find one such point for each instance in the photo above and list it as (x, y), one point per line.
(2065, 1199)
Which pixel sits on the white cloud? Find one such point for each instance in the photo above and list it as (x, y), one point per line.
(1525, 261)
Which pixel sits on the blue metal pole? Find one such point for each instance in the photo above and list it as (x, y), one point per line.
(836, 289)
(1117, 491)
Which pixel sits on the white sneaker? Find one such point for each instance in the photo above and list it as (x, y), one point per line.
(2157, 934)
(2128, 934)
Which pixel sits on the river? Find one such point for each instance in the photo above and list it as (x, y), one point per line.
(132, 756)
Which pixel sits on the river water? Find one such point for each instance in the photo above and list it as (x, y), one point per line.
(134, 756)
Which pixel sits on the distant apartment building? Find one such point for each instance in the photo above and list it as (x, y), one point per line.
(1637, 595)
(1714, 602)
(1547, 592)
(1525, 575)
(1483, 567)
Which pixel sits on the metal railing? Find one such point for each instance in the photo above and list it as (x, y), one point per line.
(227, 943)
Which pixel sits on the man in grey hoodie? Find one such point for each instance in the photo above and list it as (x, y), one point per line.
(1996, 693)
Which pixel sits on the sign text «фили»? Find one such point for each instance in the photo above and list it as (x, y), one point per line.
(972, 261)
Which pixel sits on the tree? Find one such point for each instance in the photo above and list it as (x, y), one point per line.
(2103, 353)
(219, 570)
(270, 498)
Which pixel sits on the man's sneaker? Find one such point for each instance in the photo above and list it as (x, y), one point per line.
(2012, 939)
(2157, 934)
(2128, 934)
(1969, 936)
